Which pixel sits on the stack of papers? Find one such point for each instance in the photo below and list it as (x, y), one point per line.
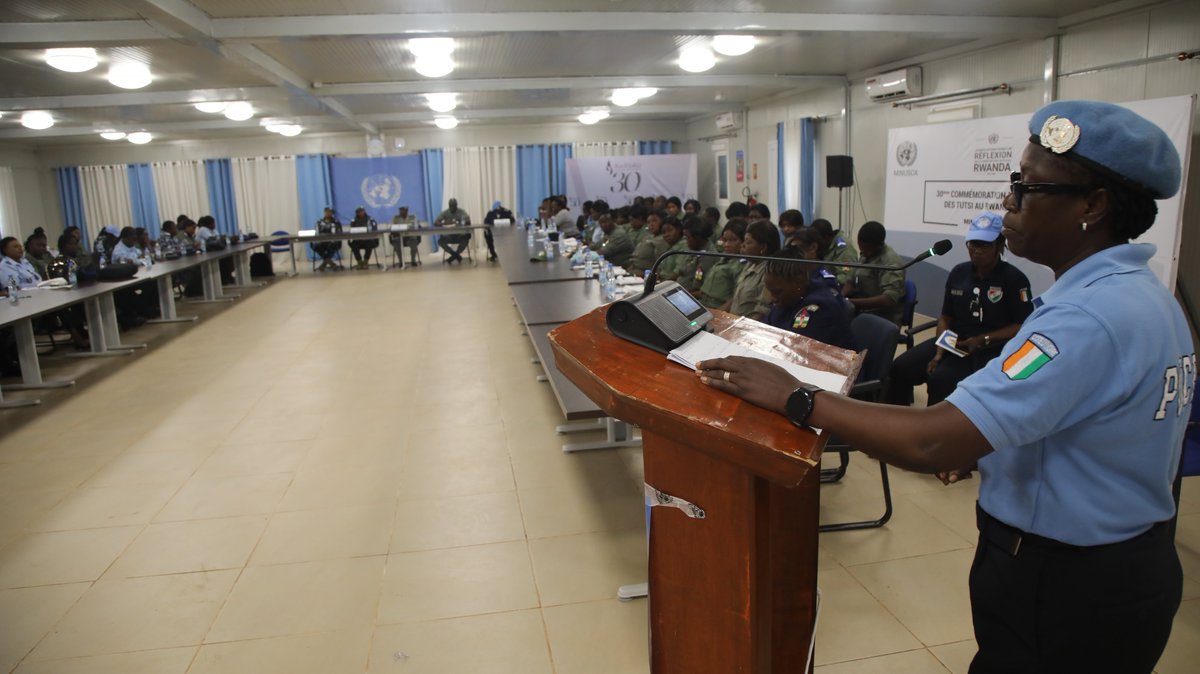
(707, 346)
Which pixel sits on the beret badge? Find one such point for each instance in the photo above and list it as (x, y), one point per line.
(1059, 134)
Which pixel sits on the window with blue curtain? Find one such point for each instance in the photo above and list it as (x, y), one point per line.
(533, 178)
(221, 201)
(143, 200)
(431, 168)
(70, 199)
(808, 169)
(780, 178)
(655, 146)
(559, 154)
(314, 187)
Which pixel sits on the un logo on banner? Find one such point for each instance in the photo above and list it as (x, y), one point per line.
(380, 190)
(906, 153)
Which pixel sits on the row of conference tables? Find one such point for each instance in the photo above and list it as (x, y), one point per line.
(548, 294)
(100, 308)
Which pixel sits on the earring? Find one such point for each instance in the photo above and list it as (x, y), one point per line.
(1083, 225)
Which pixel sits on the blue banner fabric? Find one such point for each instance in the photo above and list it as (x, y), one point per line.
(808, 169)
(143, 200)
(314, 187)
(70, 198)
(221, 200)
(431, 169)
(654, 147)
(381, 185)
(533, 178)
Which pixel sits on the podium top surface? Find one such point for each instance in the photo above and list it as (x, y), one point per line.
(640, 386)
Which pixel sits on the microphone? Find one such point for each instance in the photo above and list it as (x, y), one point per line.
(940, 248)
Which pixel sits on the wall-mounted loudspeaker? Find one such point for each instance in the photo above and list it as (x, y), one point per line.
(839, 171)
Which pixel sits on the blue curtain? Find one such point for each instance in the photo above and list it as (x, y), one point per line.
(431, 168)
(781, 182)
(654, 147)
(70, 198)
(808, 169)
(533, 178)
(559, 154)
(142, 198)
(313, 187)
(221, 201)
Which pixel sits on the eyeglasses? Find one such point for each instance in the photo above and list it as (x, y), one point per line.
(981, 245)
(1020, 189)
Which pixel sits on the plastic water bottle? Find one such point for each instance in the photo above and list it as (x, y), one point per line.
(528, 235)
(12, 290)
(610, 283)
(72, 272)
(549, 249)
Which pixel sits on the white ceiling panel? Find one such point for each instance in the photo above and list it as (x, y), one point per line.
(64, 10)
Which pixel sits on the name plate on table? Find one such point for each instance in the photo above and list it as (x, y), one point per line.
(359, 230)
(399, 228)
(307, 232)
(502, 221)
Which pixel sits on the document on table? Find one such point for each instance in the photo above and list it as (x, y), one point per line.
(948, 340)
(707, 346)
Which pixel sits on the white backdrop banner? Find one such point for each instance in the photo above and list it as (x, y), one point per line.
(617, 180)
(940, 176)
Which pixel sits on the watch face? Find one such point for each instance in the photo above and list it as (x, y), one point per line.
(799, 405)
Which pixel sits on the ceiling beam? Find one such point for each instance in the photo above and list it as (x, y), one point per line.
(135, 98)
(526, 83)
(253, 28)
(161, 127)
(680, 111)
(81, 33)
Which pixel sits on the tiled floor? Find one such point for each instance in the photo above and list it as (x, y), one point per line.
(358, 473)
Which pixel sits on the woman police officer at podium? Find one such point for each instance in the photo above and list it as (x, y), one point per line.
(1076, 428)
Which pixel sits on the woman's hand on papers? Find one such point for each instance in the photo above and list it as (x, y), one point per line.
(756, 381)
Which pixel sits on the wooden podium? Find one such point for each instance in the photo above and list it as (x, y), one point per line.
(734, 589)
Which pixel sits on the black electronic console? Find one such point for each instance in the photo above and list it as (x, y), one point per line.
(661, 319)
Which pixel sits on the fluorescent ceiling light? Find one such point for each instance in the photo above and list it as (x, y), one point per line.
(290, 130)
(442, 102)
(733, 45)
(211, 107)
(273, 125)
(112, 135)
(72, 59)
(697, 59)
(438, 65)
(446, 122)
(239, 111)
(593, 116)
(139, 137)
(624, 97)
(129, 75)
(431, 46)
(37, 120)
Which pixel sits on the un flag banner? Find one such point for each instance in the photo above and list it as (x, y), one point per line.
(380, 184)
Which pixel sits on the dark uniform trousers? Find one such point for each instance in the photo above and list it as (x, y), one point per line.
(909, 370)
(1044, 607)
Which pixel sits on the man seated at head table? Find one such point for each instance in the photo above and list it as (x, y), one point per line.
(498, 212)
(877, 291)
(362, 247)
(453, 216)
(327, 250)
(616, 246)
(412, 243)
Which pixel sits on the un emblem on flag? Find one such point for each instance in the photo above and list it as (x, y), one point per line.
(380, 190)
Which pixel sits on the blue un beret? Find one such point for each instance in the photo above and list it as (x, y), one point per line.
(1113, 139)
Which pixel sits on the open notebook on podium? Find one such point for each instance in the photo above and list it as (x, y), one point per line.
(706, 346)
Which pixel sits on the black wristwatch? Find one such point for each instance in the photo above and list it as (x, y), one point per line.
(800, 404)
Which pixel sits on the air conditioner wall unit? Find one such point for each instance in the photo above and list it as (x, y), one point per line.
(893, 85)
(729, 121)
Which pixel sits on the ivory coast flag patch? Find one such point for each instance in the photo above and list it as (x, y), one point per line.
(1033, 354)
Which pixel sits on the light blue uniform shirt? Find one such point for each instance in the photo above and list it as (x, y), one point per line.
(1088, 419)
(23, 271)
(126, 253)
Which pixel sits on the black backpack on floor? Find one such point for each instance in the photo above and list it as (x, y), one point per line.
(260, 265)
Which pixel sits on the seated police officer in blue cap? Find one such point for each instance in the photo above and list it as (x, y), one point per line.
(985, 303)
(1076, 427)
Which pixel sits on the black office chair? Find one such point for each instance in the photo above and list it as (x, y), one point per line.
(907, 330)
(878, 336)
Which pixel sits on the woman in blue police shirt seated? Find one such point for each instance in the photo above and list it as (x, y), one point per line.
(985, 303)
(803, 305)
(1076, 428)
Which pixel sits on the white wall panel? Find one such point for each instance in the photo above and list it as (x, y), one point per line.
(1121, 38)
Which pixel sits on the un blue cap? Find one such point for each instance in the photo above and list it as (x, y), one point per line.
(985, 227)
(1113, 140)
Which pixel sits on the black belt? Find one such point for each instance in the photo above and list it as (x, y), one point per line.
(1010, 539)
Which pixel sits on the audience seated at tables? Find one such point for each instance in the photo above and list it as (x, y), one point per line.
(453, 216)
(877, 291)
(749, 297)
(790, 221)
(651, 246)
(802, 306)
(327, 250)
(835, 249)
(562, 221)
(635, 225)
(411, 242)
(759, 211)
(594, 234)
(674, 208)
(692, 207)
(737, 209)
(616, 246)
(586, 221)
(361, 248)
(807, 243)
(720, 281)
(186, 236)
(137, 304)
(127, 249)
(77, 234)
(168, 241)
(712, 215)
(986, 301)
(209, 238)
(37, 251)
(16, 270)
(498, 212)
(672, 234)
(689, 270)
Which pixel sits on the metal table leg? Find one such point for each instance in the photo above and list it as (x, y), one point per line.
(210, 277)
(112, 333)
(166, 304)
(620, 434)
(97, 331)
(31, 370)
